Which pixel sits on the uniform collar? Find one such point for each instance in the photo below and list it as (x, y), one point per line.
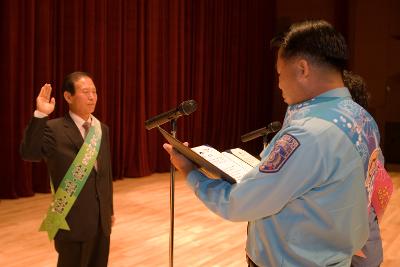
(341, 92)
(337, 92)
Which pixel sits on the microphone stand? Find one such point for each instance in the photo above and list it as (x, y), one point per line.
(171, 202)
(265, 141)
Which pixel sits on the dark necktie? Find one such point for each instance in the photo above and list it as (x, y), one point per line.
(86, 126)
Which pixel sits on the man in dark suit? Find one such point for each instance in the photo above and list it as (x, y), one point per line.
(84, 198)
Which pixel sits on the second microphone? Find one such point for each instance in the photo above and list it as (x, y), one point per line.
(271, 128)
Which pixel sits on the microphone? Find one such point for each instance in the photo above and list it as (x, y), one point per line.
(271, 128)
(185, 108)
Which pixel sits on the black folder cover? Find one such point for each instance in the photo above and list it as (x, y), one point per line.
(204, 164)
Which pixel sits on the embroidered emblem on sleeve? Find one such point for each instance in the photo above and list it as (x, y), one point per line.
(280, 153)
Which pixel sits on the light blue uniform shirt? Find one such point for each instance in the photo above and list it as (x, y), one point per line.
(307, 210)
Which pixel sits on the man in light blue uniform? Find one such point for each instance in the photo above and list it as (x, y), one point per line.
(306, 202)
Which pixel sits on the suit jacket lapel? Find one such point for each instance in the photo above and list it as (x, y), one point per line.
(72, 131)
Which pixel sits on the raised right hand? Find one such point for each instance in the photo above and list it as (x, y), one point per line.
(43, 102)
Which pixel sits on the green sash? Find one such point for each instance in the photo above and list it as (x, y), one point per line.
(73, 182)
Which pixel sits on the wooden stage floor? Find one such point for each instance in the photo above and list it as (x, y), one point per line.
(141, 234)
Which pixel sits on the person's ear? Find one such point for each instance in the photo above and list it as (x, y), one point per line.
(304, 68)
(67, 97)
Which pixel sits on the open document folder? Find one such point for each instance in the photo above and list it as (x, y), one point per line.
(230, 165)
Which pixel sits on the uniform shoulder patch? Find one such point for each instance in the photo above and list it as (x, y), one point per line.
(280, 153)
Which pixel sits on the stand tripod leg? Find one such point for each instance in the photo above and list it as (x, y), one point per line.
(171, 234)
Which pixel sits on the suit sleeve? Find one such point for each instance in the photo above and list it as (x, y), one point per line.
(110, 174)
(38, 141)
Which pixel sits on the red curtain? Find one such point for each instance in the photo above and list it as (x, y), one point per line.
(146, 57)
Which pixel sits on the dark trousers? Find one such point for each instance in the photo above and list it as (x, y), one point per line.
(90, 253)
(250, 263)
(373, 248)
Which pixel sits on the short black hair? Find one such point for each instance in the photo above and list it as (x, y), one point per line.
(69, 81)
(315, 39)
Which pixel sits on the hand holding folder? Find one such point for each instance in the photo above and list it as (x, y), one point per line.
(230, 165)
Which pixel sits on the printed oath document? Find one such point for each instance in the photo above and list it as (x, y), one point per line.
(230, 165)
